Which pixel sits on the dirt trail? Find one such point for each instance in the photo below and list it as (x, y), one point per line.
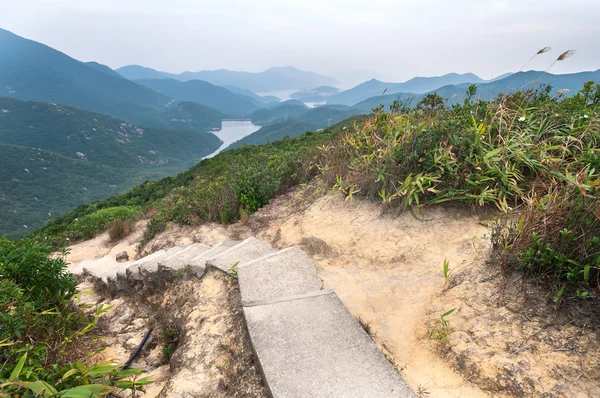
(387, 270)
(101, 245)
(506, 337)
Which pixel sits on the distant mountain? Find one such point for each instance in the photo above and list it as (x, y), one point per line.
(273, 79)
(33, 71)
(136, 72)
(317, 94)
(523, 80)
(281, 110)
(54, 157)
(502, 76)
(103, 68)
(204, 93)
(489, 90)
(262, 99)
(297, 124)
(417, 85)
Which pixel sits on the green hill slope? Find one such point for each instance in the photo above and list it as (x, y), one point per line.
(204, 93)
(64, 156)
(33, 71)
(293, 125)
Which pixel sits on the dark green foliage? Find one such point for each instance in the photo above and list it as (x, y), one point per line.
(38, 325)
(216, 189)
(44, 281)
(17, 310)
(54, 157)
(92, 224)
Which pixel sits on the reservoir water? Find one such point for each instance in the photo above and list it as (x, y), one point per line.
(233, 130)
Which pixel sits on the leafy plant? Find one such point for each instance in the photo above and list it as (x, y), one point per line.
(446, 269)
(366, 327)
(232, 273)
(441, 333)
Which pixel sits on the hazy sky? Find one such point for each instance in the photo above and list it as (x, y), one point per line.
(391, 39)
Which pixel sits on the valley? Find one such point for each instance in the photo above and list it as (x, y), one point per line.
(183, 213)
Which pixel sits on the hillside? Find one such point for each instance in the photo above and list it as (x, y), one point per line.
(265, 99)
(489, 90)
(215, 97)
(416, 85)
(278, 111)
(272, 79)
(293, 126)
(103, 68)
(33, 71)
(56, 157)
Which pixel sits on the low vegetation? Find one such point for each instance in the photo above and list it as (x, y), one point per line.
(532, 155)
(40, 329)
(221, 189)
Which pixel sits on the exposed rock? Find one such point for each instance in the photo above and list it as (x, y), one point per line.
(315, 246)
(122, 257)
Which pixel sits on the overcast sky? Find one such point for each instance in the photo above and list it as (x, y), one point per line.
(389, 39)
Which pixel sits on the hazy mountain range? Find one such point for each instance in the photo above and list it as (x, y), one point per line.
(93, 131)
(273, 79)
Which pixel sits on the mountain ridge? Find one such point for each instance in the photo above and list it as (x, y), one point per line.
(272, 79)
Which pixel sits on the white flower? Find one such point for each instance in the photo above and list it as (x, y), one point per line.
(585, 116)
(522, 119)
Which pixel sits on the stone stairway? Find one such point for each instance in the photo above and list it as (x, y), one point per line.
(305, 340)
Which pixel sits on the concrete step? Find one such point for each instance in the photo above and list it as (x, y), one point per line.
(104, 267)
(244, 252)
(77, 268)
(182, 259)
(133, 270)
(311, 346)
(198, 264)
(152, 267)
(284, 273)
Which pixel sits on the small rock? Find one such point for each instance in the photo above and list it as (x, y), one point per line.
(122, 257)
(125, 318)
(317, 246)
(133, 342)
(155, 357)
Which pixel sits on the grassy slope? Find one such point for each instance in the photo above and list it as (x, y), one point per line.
(215, 189)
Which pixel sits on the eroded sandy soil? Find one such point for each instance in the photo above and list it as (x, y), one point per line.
(212, 358)
(505, 338)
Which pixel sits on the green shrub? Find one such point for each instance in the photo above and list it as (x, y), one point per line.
(92, 224)
(556, 238)
(43, 280)
(119, 229)
(16, 312)
(38, 325)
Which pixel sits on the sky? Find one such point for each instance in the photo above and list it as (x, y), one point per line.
(352, 40)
